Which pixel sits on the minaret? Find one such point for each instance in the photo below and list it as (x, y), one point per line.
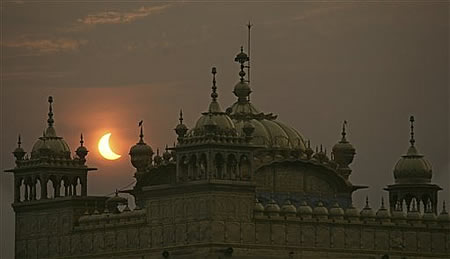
(343, 153)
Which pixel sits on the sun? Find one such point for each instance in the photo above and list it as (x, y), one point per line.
(104, 148)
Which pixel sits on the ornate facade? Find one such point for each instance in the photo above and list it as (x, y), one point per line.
(239, 184)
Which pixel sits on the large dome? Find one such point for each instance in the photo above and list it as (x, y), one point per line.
(269, 132)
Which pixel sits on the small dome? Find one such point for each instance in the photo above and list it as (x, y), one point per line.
(382, 212)
(320, 210)
(304, 209)
(141, 154)
(242, 90)
(258, 206)
(221, 120)
(167, 155)
(57, 146)
(352, 212)
(272, 207)
(412, 168)
(336, 210)
(288, 208)
(367, 211)
(50, 142)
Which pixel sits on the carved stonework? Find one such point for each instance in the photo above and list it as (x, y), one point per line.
(318, 185)
(144, 237)
(110, 241)
(322, 236)
(99, 242)
(133, 238)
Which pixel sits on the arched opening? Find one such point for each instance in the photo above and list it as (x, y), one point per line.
(22, 190)
(38, 189)
(244, 166)
(203, 166)
(218, 162)
(184, 165)
(77, 187)
(193, 167)
(64, 187)
(50, 189)
(232, 167)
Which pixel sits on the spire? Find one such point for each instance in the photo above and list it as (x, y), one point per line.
(249, 26)
(19, 142)
(181, 116)
(367, 202)
(214, 94)
(412, 140)
(382, 202)
(81, 140)
(50, 112)
(344, 131)
(141, 135)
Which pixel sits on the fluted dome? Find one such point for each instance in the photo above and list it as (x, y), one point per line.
(272, 134)
(214, 120)
(412, 168)
(288, 208)
(50, 142)
(304, 209)
(141, 154)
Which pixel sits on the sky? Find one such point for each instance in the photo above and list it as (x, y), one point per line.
(110, 64)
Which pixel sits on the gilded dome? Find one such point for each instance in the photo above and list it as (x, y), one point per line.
(412, 167)
(141, 153)
(54, 145)
(272, 133)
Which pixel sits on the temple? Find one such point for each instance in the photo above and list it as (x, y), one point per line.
(237, 184)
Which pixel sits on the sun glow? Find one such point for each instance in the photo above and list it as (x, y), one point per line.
(104, 148)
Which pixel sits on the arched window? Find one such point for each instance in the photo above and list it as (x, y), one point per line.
(38, 189)
(244, 166)
(50, 188)
(232, 167)
(77, 187)
(218, 162)
(193, 167)
(203, 166)
(22, 190)
(183, 168)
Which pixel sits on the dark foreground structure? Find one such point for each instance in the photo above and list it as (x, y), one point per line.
(238, 184)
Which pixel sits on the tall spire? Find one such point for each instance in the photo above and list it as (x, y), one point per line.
(141, 135)
(50, 112)
(81, 140)
(412, 140)
(19, 142)
(214, 94)
(249, 26)
(344, 131)
(181, 116)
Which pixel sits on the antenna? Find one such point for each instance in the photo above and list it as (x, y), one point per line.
(249, 26)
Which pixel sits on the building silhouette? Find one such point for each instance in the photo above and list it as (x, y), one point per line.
(237, 184)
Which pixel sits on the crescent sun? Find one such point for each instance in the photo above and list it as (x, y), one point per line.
(104, 148)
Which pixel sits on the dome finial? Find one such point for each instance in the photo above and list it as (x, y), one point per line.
(214, 94)
(412, 140)
(242, 58)
(141, 135)
(382, 202)
(19, 141)
(181, 116)
(81, 140)
(367, 202)
(50, 112)
(344, 131)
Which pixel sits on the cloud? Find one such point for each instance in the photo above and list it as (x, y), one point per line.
(47, 46)
(115, 17)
